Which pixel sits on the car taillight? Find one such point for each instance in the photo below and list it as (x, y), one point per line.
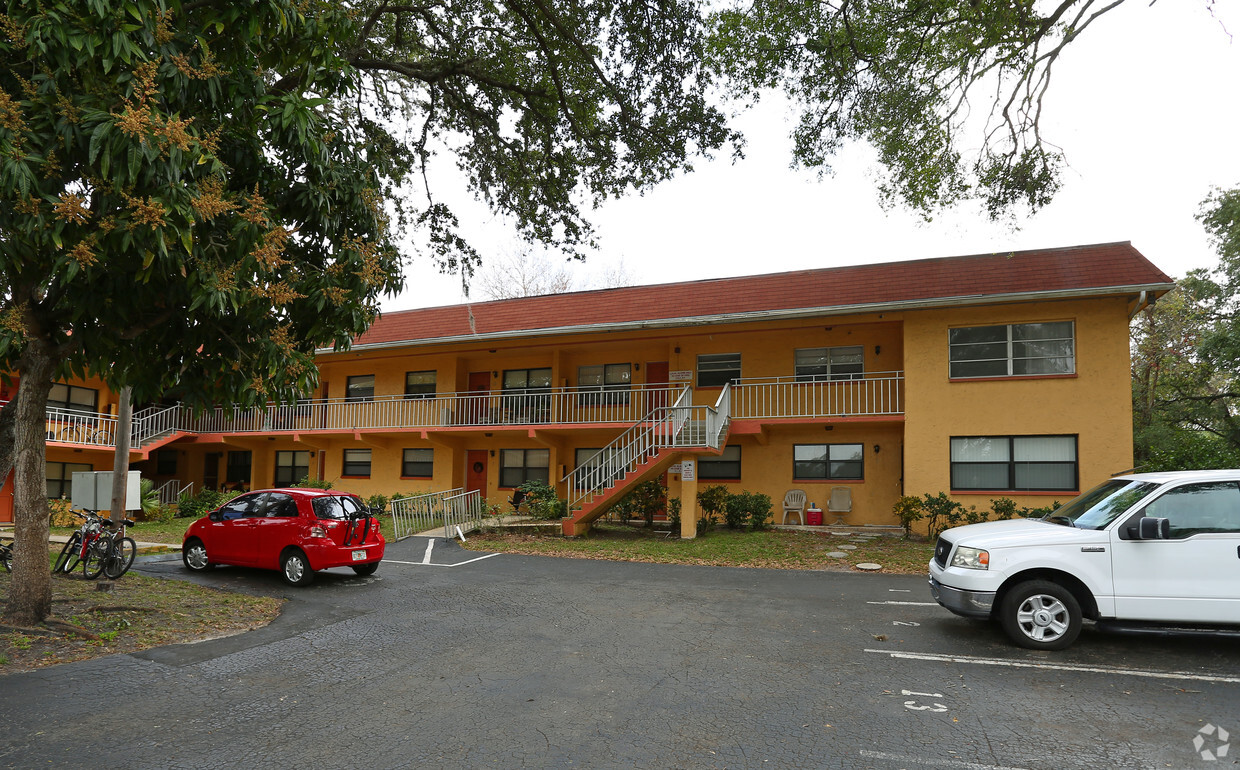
(317, 531)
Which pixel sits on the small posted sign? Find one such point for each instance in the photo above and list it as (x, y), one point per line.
(687, 470)
(680, 375)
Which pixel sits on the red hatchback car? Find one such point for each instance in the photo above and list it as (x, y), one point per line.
(295, 531)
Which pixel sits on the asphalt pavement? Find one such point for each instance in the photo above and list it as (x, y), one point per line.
(453, 658)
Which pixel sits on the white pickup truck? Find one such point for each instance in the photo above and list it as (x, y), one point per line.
(1143, 552)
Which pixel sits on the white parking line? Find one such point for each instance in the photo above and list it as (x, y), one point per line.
(978, 661)
(924, 761)
(430, 546)
(428, 564)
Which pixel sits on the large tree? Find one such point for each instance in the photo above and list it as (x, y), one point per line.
(196, 195)
(920, 81)
(1186, 359)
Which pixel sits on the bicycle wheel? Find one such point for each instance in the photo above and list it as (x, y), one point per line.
(6, 557)
(120, 557)
(96, 557)
(69, 555)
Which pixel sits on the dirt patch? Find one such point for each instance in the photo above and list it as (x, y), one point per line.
(138, 613)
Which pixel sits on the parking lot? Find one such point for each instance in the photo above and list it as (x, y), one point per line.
(455, 658)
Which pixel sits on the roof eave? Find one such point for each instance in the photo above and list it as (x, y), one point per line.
(767, 315)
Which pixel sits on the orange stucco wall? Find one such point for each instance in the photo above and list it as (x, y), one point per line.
(1095, 404)
(903, 454)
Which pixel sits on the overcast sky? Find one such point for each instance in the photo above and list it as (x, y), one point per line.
(1144, 104)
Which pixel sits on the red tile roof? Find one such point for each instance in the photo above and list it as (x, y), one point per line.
(1079, 269)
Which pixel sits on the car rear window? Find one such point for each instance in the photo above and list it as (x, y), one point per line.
(336, 507)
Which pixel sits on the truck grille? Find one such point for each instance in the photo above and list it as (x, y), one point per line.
(942, 550)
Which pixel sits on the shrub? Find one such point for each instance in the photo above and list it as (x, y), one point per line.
(540, 500)
(709, 521)
(200, 503)
(734, 512)
(1004, 508)
(747, 509)
(713, 500)
(974, 516)
(60, 516)
(758, 507)
(941, 512)
(673, 513)
(646, 499)
(377, 503)
(1037, 513)
(908, 509)
(309, 483)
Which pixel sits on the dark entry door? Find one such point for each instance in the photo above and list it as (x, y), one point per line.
(656, 382)
(479, 394)
(476, 471)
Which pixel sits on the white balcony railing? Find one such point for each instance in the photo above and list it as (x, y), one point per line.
(559, 406)
(877, 393)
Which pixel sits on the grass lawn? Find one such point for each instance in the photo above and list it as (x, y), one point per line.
(139, 612)
(772, 549)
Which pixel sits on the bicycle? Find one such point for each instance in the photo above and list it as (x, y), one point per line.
(112, 552)
(6, 556)
(75, 548)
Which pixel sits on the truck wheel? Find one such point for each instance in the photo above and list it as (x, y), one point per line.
(1041, 615)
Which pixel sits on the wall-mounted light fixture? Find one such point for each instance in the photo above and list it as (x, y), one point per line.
(494, 374)
(876, 449)
(676, 350)
(492, 452)
(829, 427)
(878, 349)
(637, 367)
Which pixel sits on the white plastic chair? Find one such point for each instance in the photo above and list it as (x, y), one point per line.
(840, 503)
(794, 502)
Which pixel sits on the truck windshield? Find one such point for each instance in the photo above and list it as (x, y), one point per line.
(1102, 505)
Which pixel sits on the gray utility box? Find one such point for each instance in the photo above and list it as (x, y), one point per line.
(92, 490)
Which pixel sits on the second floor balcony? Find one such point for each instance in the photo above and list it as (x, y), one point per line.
(762, 399)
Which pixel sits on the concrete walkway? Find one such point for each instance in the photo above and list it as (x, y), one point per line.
(7, 533)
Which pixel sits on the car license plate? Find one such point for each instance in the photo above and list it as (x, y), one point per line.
(359, 555)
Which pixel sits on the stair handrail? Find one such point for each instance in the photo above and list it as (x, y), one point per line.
(154, 422)
(628, 450)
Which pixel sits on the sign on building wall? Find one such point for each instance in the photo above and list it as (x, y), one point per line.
(680, 375)
(687, 470)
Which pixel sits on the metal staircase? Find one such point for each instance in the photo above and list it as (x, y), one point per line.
(646, 449)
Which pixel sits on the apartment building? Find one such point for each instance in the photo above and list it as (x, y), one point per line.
(982, 376)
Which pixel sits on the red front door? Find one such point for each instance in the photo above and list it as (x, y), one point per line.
(656, 382)
(476, 471)
(476, 401)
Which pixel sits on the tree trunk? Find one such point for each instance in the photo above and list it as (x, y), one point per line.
(120, 463)
(30, 592)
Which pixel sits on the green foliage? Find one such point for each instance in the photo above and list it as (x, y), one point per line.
(59, 513)
(941, 512)
(713, 499)
(745, 508)
(707, 521)
(202, 502)
(152, 509)
(312, 483)
(541, 501)
(908, 510)
(735, 513)
(377, 503)
(673, 513)
(644, 501)
(1003, 508)
(905, 78)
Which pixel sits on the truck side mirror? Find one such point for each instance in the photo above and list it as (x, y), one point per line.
(1152, 528)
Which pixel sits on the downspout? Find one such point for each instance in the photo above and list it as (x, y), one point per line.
(1143, 302)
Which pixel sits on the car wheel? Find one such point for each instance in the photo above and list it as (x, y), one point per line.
(366, 569)
(295, 568)
(1041, 615)
(194, 555)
